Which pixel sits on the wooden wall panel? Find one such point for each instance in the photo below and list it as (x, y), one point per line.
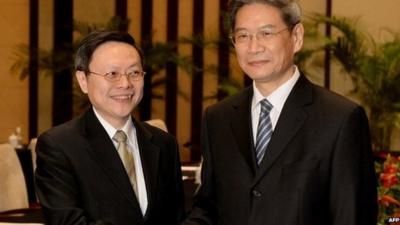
(13, 91)
(159, 35)
(211, 32)
(185, 29)
(45, 91)
(134, 14)
(94, 11)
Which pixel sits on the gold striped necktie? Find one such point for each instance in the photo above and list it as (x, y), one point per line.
(126, 158)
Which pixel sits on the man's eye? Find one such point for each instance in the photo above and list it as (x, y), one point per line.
(133, 73)
(264, 34)
(242, 36)
(112, 74)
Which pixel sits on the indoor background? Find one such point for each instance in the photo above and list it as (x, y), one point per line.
(38, 101)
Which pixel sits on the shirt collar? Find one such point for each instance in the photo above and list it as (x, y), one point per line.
(127, 128)
(278, 97)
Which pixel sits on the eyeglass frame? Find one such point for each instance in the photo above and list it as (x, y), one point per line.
(130, 76)
(257, 35)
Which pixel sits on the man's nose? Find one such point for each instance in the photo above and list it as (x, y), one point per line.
(254, 44)
(125, 80)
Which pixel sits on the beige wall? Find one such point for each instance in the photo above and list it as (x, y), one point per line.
(159, 35)
(374, 16)
(14, 25)
(311, 6)
(134, 14)
(210, 57)
(93, 11)
(184, 80)
(45, 90)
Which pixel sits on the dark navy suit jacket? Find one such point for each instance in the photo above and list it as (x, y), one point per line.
(80, 178)
(317, 170)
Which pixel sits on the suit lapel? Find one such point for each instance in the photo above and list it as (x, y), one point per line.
(241, 126)
(290, 121)
(149, 155)
(103, 151)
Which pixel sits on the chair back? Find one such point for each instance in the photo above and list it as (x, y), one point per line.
(32, 148)
(159, 123)
(13, 193)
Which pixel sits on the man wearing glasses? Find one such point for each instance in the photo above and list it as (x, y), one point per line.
(282, 151)
(105, 167)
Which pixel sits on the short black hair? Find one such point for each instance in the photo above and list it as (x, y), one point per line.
(93, 40)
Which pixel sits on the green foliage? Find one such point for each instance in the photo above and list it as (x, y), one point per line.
(160, 54)
(374, 68)
(46, 62)
(157, 55)
(50, 62)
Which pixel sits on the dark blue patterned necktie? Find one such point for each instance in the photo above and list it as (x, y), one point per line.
(264, 130)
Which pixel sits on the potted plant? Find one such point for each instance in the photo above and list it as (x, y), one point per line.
(374, 68)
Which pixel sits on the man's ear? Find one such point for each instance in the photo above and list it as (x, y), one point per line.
(297, 37)
(82, 80)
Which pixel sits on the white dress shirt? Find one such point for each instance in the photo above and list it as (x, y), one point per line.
(132, 142)
(277, 98)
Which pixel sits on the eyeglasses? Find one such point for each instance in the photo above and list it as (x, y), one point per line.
(116, 76)
(244, 37)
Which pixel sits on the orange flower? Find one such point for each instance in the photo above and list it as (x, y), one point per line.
(390, 168)
(386, 200)
(389, 179)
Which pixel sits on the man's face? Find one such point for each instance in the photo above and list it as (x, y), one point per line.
(114, 101)
(268, 56)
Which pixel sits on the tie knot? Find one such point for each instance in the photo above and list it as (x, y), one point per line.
(266, 106)
(120, 136)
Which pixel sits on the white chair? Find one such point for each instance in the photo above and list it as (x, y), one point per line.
(159, 123)
(14, 203)
(12, 182)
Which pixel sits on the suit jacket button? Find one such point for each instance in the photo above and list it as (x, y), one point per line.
(256, 193)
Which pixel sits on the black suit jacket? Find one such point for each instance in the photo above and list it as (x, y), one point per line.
(317, 169)
(80, 178)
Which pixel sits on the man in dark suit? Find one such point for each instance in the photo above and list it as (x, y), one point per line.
(283, 151)
(106, 167)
